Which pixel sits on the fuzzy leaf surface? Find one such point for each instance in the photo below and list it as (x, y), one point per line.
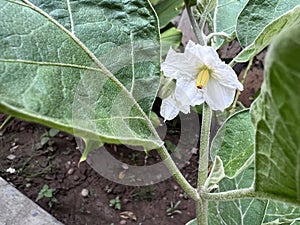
(257, 14)
(234, 143)
(241, 211)
(167, 10)
(277, 120)
(225, 21)
(281, 213)
(90, 68)
(287, 20)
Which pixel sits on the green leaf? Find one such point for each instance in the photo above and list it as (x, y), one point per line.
(240, 211)
(44, 140)
(170, 38)
(52, 132)
(90, 145)
(287, 20)
(234, 143)
(225, 21)
(277, 120)
(90, 68)
(192, 222)
(168, 10)
(249, 211)
(216, 174)
(281, 213)
(154, 2)
(257, 14)
(207, 5)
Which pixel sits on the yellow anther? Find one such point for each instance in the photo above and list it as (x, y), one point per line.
(202, 78)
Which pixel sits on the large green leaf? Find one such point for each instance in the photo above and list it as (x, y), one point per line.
(249, 211)
(240, 211)
(287, 20)
(280, 213)
(168, 10)
(277, 120)
(81, 66)
(257, 14)
(227, 13)
(234, 143)
(170, 38)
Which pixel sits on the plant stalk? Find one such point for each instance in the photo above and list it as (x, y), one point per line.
(202, 205)
(178, 176)
(198, 32)
(247, 193)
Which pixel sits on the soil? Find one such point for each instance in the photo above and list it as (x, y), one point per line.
(55, 163)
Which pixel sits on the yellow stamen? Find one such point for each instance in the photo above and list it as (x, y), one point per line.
(202, 78)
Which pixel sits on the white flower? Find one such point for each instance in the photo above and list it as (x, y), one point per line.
(200, 76)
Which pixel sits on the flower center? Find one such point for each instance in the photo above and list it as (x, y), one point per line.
(202, 78)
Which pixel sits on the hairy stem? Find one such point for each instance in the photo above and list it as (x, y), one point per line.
(186, 186)
(230, 195)
(204, 146)
(198, 32)
(202, 205)
(247, 193)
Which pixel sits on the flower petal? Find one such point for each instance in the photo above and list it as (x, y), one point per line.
(168, 108)
(218, 96)
(226, 76)
(177, 65)
(206, 55)
(187, 93)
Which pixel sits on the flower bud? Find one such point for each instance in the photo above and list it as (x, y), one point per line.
(167, 87)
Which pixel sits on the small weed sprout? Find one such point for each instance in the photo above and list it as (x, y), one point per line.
(134, 157)
(173, 208)
(146, 193)
(108, 189)
(47, 192)
(115, 203)
(45, 138)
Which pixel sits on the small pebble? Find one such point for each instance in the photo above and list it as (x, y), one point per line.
(10, 170)
(123, 222)
(68, 164)
(125, 166)
(28, 185)
(68, 138)
(71, 171)
(49, 177)
(12, 149)
(126, 200)
(76, 178)
(194, 151)
(84, 192)
(175, 187)
(11, 157)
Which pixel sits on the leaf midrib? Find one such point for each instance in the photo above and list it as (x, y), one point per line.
(101, 68)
